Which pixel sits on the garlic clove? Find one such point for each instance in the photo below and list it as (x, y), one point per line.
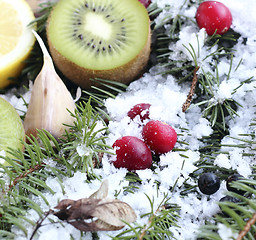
(50, 101)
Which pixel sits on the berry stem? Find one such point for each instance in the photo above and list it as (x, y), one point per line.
(191, 92)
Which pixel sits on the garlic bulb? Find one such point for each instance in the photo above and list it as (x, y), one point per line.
(50, 99)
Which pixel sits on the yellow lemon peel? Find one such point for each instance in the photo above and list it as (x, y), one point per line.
(16, 38)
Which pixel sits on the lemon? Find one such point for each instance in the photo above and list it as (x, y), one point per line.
(16, 38)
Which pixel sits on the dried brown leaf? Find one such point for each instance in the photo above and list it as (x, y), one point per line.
(63, 204)
(102, 192)
(94, 226)
(96, 213)
(114, 212)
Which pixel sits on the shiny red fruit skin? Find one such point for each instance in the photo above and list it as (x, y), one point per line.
(145, 2)
(160, 137)
(213, 15)
(132, 153)
(141, 109)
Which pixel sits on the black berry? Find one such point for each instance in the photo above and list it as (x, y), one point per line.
(229, 199)
(208, 183)
(231, 179)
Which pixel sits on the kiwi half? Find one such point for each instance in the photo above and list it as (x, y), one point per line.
(11, 128)
(107, 39)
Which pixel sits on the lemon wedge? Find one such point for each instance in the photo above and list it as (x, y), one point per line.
(16, 38)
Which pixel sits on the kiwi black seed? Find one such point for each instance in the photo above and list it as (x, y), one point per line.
(107, 39)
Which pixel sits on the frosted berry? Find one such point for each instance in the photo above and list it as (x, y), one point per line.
(140, 109)
(231, 179)
(145, 2)
(159, 136)
(132, 153)
(213, 16)
(208, 183)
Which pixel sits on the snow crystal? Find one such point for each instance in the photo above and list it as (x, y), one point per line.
(241, 164)
(226, 89)
(192, 41)
(201, 129)
(83, 150)
(225, 232)
(222, 160)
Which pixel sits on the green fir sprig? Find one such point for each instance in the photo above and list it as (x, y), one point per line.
(27, 171)
(85, 143)
(158, 223)
(25, 176)
(42, 16)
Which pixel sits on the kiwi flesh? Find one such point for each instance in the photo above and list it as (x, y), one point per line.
(11, 131)
(108, 39)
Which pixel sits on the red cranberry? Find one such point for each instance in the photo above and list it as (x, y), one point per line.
(213, 16)
(132, 153)
(141, 109)
(160, 137)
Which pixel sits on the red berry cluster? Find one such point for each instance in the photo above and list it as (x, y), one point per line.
(158, 137)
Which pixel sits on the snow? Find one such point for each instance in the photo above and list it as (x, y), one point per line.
(3, 154)
(226, 233)
(166, 97)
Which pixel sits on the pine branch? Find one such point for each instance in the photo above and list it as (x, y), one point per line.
(85, 136)
(151, 220)
(215, 108)
(157, 226)
(104, 89)
(29, 168)
(42, 16)
(23, 175)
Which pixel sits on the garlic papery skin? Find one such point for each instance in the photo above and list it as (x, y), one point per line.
(51, 104)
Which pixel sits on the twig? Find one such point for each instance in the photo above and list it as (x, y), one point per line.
(99, 160)
(191, 92)
(39, 223)
(247, 227)
(23, 175)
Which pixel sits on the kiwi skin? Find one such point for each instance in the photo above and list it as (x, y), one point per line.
(82, 76)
